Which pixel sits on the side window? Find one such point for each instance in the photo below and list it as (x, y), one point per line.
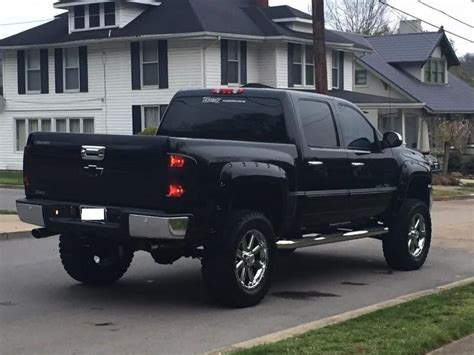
(357, 132)
(318, 124)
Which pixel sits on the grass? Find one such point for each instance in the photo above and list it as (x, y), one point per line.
(4, 212)
(453, 191)
(11, 177)
(415, 327)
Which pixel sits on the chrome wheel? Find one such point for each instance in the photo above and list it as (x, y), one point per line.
(417, 235)
(251, 261)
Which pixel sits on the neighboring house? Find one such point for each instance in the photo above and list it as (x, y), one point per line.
(411, 71)
(112, 67)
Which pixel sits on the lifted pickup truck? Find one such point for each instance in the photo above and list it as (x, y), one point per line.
(234, 177)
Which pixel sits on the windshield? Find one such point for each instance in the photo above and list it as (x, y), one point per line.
(227, 118)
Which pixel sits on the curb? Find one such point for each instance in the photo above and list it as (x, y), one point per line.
(454, 198)
(303, 328)
(15, 235)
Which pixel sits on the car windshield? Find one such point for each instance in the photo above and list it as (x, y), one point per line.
(227, 118)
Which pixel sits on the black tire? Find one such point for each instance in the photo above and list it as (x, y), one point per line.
(400, 250)
(91, 263)
(220, 271)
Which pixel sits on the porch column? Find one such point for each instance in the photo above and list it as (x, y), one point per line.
(423, 136)
(402, 116)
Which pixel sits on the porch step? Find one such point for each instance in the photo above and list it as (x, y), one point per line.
(341, 235)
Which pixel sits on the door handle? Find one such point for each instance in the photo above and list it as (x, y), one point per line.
(315, 163)
(357, 164)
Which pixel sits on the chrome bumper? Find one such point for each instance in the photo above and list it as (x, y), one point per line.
(157, 227)
(29, 213)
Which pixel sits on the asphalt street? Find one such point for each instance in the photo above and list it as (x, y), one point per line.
(164, 309)
(8, 198)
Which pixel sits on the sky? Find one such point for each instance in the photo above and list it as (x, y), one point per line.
(32, 10)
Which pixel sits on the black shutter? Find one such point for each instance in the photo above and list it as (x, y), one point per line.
(163, 63)
(21, 72)
(135, 52)
(243, 62)
(44, 59)
(341, 70)
(58, 70)
(290, 65)
(136, 119)
(83, 70)
(224, 56)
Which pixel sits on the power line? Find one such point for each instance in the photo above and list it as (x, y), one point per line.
(444, 13)
(429, 23)
(24, 22)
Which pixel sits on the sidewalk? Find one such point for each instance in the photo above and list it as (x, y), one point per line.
(11, 226)
(460, 347)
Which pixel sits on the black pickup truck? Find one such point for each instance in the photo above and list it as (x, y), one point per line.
(234, 177)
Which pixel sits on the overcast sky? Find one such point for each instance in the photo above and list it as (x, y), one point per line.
(32, 10)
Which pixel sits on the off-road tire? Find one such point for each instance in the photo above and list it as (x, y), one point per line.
(219, 263)
(79, 258)
(395, 243)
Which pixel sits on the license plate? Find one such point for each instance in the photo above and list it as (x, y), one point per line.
(93, 214)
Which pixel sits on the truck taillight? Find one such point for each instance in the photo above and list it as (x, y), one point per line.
(227, 91)
(26, 175)
(175, 191)
(176, 161)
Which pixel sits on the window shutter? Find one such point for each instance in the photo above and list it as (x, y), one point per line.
(21, 72)
(224, 54)
(163, 64)
(58, 70)
(341, 70)
(243, 63)
(83, 69)
(136, 119)
(44, 65)
(136, 73)
(290, 65)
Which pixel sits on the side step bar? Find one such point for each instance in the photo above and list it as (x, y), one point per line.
(310, 240)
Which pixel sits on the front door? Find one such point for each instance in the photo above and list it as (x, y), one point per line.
(324, 174)
(373, 171)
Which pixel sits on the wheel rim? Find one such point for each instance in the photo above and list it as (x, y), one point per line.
(251, 262)
(417, 235)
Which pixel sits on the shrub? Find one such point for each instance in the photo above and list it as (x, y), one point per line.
(455, 161)
(446, 180)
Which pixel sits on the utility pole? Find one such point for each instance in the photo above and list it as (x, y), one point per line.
(319, 48)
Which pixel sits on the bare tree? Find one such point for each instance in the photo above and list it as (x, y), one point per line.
(369, 17)
(452, 132)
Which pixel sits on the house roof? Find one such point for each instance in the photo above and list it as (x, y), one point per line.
(361, 98)
(412, 47)
(456, 97)
(233, 17)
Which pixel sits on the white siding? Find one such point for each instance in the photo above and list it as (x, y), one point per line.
(348, 71)
(267, 64)
(127, 12)
(252, 62)
(413, 69)
(437, 53)
(212, 60)
(282, 65)
(375, 86)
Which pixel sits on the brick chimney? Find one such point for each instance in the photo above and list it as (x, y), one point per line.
(258, 3)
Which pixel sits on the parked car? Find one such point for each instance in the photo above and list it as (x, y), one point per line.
(234, 177)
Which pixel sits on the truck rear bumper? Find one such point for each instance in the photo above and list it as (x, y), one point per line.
(64, 217)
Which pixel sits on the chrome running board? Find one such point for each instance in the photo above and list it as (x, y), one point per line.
(341, 235)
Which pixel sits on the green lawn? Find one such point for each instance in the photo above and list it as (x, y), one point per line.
(452, 191)
(11, 177)
(7, 212)
(415, 327)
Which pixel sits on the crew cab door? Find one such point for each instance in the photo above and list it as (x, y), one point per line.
(373, 172)
(324, 172)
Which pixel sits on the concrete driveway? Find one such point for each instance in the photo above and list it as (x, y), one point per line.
(164, 309)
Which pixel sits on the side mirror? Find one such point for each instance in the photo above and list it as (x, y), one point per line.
(392, 140)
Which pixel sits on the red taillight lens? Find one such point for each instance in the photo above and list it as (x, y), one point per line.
(176, 161)
(175, 191)
(228, 91)
(26, 177)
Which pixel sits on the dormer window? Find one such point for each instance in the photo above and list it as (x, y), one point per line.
(94, 16)
(435, 71)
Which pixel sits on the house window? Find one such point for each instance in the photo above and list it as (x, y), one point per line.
(151, 116)
(79, 17)
(94, 15)
(336, 66)
(360, 76)
(435, 71)
(150, 63)
(109, 14)
(33, 70)
(71, 69)
(233, 62)
(303, 65)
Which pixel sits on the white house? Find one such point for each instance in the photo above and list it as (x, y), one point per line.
(112, 67)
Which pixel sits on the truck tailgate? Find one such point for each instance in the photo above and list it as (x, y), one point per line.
(68, 167)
